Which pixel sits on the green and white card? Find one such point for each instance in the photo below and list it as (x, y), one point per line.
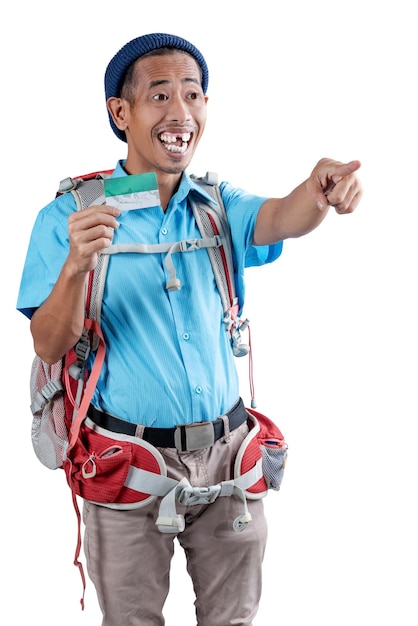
(138, 191)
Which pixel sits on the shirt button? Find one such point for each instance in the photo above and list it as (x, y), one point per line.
(186, 336)
(198, 389)
(164, 231)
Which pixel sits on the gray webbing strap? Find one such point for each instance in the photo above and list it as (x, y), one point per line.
(187, 245)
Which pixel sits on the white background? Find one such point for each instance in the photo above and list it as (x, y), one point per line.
(334, 321)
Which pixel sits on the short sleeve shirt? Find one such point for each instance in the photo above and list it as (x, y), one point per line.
(168, 356)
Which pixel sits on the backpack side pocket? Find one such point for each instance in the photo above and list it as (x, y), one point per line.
(274, 462)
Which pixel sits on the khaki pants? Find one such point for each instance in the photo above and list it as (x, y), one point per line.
(128, 558)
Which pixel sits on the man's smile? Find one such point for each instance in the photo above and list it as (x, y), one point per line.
(175, 142)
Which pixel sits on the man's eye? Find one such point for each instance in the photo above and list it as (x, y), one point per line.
(193, 96)
(160, 97)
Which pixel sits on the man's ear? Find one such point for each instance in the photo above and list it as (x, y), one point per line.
(118, 109)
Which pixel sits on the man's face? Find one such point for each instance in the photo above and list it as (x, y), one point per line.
(167, 119)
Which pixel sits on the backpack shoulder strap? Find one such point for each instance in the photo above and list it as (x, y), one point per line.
(87, 190)
(213, 220)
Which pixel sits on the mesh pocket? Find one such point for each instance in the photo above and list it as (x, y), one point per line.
(49, 432)
(274, 461)
(49, 435)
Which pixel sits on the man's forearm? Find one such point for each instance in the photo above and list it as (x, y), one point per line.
(57, 324)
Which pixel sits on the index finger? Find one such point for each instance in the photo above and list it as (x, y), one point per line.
(338, 172)
(345, 169)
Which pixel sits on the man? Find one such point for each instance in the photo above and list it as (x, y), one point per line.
(169, 361)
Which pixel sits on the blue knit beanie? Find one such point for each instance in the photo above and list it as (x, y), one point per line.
(133, 50)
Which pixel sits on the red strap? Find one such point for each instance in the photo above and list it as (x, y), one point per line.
(93, 326)
(77, 562)
(89, 291)
(93, 175)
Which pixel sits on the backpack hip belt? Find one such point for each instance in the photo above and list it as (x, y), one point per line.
(141, 470)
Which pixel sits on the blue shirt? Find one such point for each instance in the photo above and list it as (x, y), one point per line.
(168, 357)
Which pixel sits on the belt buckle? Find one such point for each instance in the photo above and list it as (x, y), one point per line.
(191, 437)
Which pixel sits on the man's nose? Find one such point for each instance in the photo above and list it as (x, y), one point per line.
(178, 110)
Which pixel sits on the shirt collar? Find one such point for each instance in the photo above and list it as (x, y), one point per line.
(119, 169)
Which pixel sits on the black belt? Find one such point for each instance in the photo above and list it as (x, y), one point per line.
(169, 437)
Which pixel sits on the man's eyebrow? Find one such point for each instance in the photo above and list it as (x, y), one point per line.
(165, 81)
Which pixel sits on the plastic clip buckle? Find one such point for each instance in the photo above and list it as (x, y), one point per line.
(190, 496)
